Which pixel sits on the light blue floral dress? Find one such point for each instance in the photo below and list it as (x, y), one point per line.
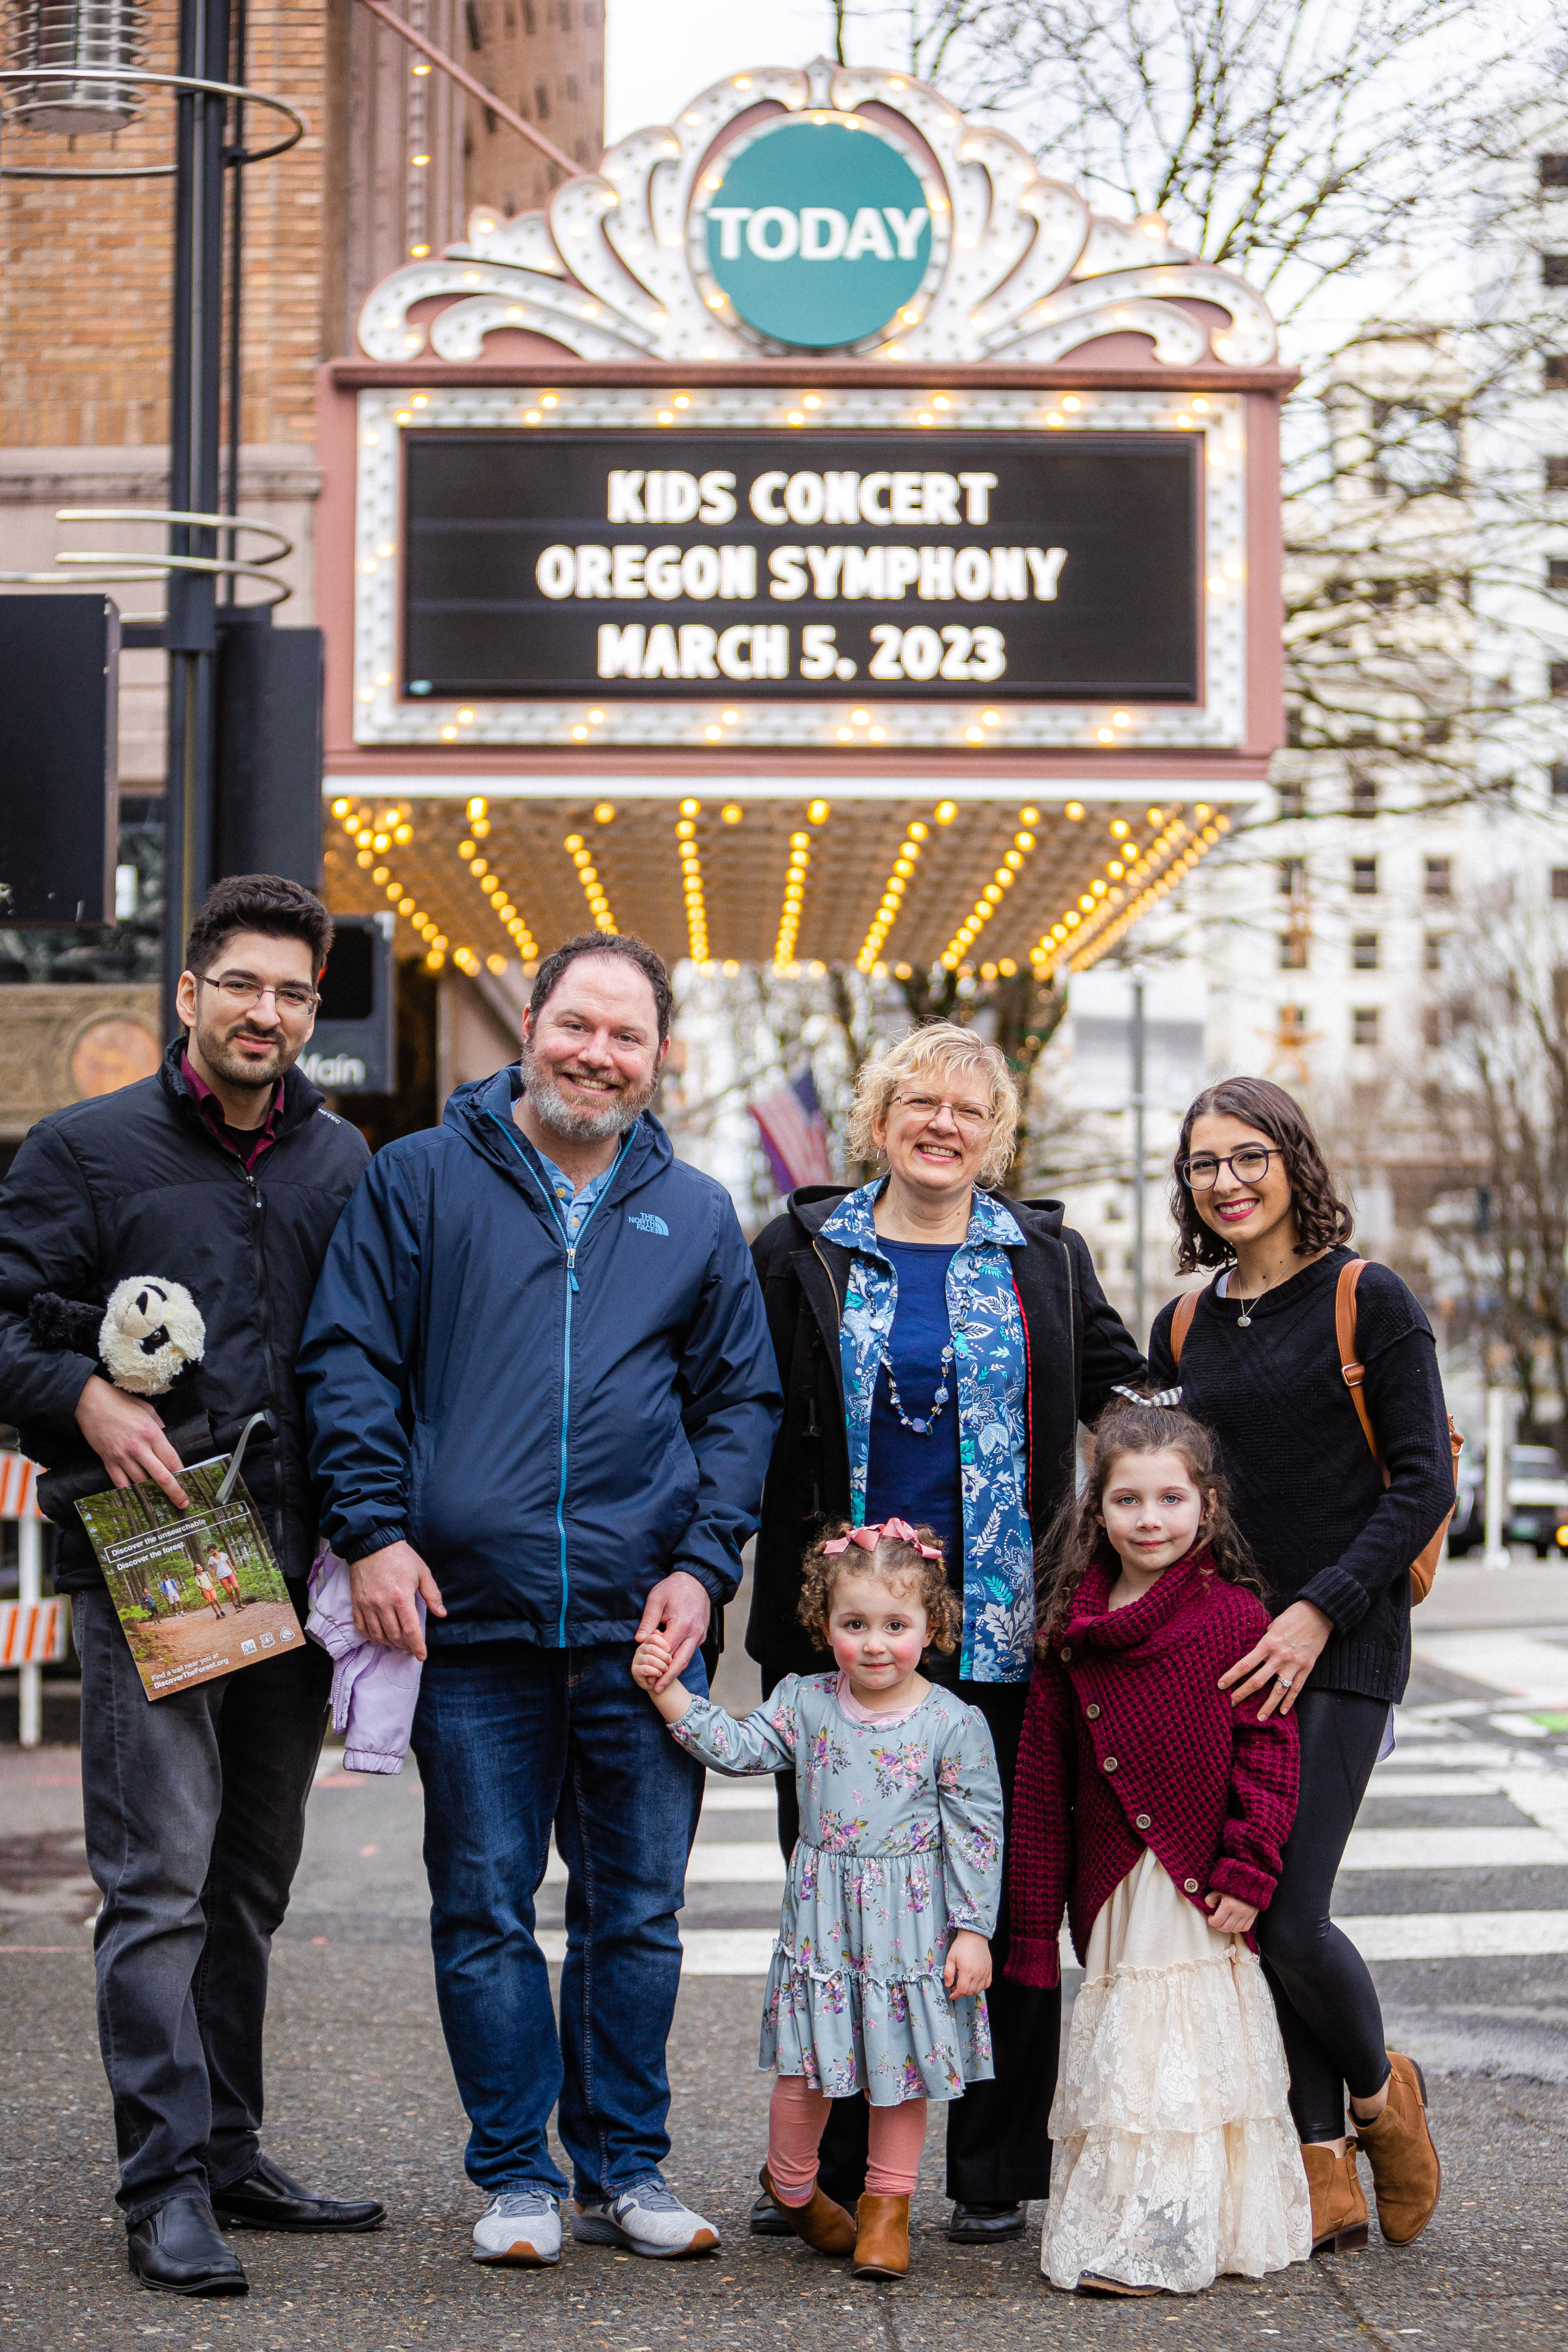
(900, 1846)
(991, 1374)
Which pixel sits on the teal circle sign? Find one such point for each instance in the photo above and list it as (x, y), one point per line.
(818, 233)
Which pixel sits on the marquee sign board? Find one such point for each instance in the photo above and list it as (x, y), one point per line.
(784, 552)
(1032, 565)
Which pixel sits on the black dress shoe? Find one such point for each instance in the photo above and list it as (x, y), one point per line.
(267, 2198)
(986, 2225)
(767, 2222)
(179, 2250)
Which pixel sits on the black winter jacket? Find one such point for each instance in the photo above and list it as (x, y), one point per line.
(1079, 1348)
(137, 1183)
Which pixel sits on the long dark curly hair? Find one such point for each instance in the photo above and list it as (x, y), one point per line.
(1322, 1218)
(1077, 1536)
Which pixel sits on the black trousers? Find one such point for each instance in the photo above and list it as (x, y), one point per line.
(1327, 2004)
(998, 2149)
(195, 1813)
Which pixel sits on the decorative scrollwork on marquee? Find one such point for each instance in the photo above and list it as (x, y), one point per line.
(1023, 271)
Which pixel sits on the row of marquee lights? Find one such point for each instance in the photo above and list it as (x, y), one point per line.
(1133, 881)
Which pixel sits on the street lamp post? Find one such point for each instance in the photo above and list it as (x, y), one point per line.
(190, 632)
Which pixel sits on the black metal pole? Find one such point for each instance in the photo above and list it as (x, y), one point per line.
(195, 389)
(236, 292)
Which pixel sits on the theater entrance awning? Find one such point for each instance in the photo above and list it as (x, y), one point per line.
(900, 880)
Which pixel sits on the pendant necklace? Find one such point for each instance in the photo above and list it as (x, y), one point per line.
(920, 1425)
(1244, 1320)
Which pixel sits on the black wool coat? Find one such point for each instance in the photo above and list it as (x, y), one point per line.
(1079, 1348)
(137, 1183)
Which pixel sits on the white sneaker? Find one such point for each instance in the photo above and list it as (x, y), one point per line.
(521, 2225)
(647, 2220)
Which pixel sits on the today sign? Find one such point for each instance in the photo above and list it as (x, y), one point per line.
(815, 233)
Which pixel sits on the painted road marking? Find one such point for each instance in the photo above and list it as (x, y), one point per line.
(1516, 1664)
(1455, 1849)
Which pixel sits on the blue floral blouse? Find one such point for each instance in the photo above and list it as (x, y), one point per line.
(990, 1362)
(899, 1847)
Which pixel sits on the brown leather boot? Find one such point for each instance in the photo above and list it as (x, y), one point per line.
(1339, 2206)
(882, 2245)
(1405, 2173)
(824, 2226)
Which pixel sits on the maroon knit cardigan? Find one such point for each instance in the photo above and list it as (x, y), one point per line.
(1128, 1743)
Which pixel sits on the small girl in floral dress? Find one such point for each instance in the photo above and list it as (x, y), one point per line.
(879, 1972)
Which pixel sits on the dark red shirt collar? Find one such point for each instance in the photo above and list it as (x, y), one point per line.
(212, 1111)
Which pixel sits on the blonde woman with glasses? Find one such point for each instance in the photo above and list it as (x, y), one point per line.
(938, 1345)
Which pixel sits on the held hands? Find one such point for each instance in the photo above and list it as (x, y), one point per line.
(967, 1968)
(675, 1612)
(1282, 1660)
(652, 1667)
(385, 1585)
(1231, 1916)
(128, 1438)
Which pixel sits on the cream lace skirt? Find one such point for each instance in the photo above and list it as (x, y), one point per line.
(1175, 2157)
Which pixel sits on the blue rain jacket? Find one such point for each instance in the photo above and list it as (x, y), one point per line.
(552, 1427)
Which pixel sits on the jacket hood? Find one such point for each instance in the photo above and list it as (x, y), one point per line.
(811, 1205)
(484, 1106)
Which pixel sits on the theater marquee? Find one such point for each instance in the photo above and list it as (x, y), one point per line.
(819, 535)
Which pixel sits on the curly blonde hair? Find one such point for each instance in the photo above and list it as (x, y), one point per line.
(937, 1049)
(895, 1563)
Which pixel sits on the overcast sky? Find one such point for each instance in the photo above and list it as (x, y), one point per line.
(660, 53)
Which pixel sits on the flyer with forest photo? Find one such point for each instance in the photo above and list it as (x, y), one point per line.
(198, 1591)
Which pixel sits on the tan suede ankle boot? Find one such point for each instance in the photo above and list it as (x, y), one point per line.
(1405, 2173)
(882, 2245)
(1339, 2206)
(821, 2224)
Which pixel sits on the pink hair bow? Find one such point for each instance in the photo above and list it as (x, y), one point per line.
(869, 1537)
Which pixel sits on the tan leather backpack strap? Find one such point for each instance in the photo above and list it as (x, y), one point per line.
(1181, 1323)
(1354, 1372)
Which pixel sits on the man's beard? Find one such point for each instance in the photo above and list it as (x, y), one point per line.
(217, 1051)
(621, 1110)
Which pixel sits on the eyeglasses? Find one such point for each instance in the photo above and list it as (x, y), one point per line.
(968, 1117)
(242, 991)
(1249, 1166)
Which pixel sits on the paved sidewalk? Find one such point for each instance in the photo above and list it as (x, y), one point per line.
(361, 2099)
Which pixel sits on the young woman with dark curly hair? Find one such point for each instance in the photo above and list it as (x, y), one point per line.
(1334, 1533)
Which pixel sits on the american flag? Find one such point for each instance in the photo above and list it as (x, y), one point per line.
(794, 1134)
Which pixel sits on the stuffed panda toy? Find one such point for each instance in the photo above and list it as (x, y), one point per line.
(149, 1333)
(148, 1340)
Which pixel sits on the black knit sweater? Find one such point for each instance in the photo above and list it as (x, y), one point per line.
(1308, 1495)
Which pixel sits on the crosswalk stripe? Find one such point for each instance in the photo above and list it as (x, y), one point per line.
(1521, 1664)
(1456, 1934)
(1377, 1935)
(1453, 1849)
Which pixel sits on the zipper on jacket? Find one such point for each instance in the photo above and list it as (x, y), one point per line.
(258, 1213)
(572, 1286)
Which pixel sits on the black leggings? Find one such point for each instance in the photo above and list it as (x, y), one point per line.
(1328, 2007)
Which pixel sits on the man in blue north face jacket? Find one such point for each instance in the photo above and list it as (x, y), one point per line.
(542, 1395)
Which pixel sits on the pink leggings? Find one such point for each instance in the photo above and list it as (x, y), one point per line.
(796, 2119)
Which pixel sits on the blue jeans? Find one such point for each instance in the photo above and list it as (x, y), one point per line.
(512, 1740)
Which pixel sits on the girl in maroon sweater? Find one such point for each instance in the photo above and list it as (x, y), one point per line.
(1153, 1812)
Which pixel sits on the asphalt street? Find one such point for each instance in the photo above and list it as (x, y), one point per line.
(1456, 1887)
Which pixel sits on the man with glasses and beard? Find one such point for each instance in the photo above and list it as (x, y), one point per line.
(225, 1172)
(541, 1397)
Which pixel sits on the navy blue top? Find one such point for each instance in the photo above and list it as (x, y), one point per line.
(909, 1477)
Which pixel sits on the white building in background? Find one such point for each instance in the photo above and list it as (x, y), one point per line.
(1323, 948)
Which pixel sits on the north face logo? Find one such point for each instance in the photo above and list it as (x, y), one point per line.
(648, 1223)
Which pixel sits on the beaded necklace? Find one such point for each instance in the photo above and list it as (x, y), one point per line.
(922, 1426)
